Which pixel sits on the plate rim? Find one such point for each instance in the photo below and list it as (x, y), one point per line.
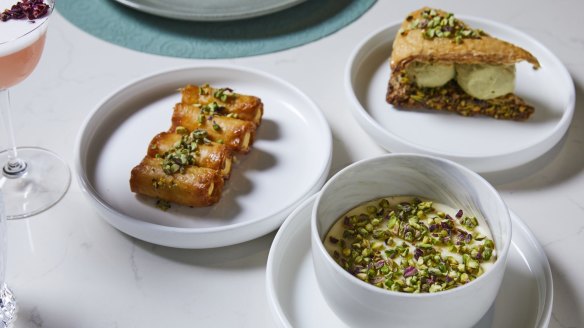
(400, 144)
(221, 17)
(278, 313)
(88, 189)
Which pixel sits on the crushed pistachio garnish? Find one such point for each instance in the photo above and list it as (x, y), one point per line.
(203, 90)
(211, 109)
(162, 204)
(184, 151)
(224, 94)
(410, 247)
(435, 24)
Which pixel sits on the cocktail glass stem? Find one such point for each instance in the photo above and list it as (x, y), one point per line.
(14, 167)
(33, 179)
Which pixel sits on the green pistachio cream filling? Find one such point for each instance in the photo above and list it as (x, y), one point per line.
(482, 81)
(406, 244)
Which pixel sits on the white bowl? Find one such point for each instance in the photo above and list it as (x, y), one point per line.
(361, 304)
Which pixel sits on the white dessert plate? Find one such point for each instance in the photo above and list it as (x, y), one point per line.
(210, 10)
(288, 162)
(483, 144)
(524, 300)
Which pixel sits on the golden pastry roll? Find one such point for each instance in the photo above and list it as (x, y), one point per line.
(229, 103)
(204, 153)
(194, 186)
(237, 135)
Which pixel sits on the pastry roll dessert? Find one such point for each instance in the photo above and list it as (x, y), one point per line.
(228, 103)
(195, 149)
(238, 135)
(440, 63)
(189, 163)
(191, 186)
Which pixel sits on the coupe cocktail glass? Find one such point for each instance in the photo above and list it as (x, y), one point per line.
(33, 179)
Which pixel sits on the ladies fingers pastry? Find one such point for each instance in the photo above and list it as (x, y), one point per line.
(244, 107)
(188, 164)
(440, 63)
(236, 134)
(211, 155)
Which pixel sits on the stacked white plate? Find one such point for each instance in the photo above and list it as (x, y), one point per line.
(289, 161)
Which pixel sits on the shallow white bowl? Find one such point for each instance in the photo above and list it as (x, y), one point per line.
(360, 304)
(483, 144)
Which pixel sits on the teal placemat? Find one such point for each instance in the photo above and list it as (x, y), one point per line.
(304, 23)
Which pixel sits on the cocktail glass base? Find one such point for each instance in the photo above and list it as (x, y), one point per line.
(44, 183)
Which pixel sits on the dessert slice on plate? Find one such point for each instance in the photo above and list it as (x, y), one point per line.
(440, 63)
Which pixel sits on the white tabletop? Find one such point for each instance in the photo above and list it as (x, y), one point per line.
(69, 268)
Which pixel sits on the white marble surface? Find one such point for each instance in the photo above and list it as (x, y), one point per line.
(69, 268)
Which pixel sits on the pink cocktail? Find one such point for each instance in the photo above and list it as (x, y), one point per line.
(18, 65)
(21, 42)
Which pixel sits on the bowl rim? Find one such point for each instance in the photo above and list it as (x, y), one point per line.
(502, 252)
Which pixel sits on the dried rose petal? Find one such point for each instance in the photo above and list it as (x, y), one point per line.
(418, 252)
(431, 280)
(410, 271)
(26, 9)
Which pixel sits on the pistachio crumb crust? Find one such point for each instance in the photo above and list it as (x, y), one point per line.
(451, 98)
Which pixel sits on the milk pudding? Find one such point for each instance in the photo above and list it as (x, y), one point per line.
(406, 244)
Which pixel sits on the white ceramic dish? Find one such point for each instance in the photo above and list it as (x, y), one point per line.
(483, 144)
(289, 161)
(524, 300)
(210, 10)
(434, 178)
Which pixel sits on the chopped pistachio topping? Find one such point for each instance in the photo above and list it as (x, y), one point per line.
(211, 109)
(184, 151)
(224, 94)
(204, 89)
(436, 24)
(410, 247)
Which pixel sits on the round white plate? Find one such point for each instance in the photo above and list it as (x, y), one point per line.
(210, 10)
(481, 143)
(288, 162)
(524, 300)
